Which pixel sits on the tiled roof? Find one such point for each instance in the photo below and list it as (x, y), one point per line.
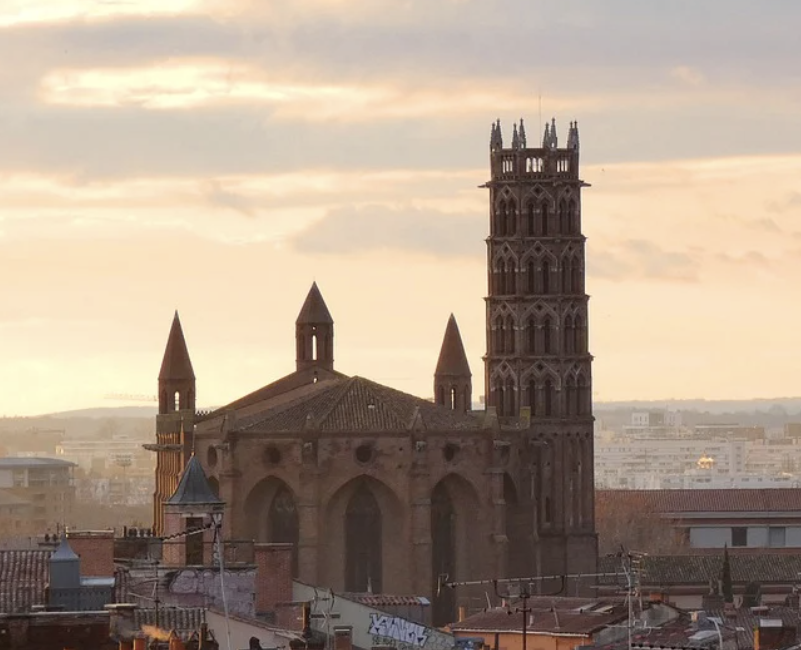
(356, 404)
(185, 621)
(23, 579)
(384, 600)
(557, 620)
(665, 570)
(700, 501)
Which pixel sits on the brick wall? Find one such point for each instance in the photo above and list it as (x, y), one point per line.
(96, 550)
(274, 583)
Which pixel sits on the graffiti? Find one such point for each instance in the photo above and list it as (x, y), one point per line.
(398, 629)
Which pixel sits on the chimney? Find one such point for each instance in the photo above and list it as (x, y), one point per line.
(343, 638)
(274, 583)
(96, 550)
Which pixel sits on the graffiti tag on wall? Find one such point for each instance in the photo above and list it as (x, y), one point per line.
(398, 629)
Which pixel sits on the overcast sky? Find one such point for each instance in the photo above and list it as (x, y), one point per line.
(217, 157)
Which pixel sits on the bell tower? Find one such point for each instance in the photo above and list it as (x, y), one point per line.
(452, 378)
(537, 363)
(314, 333)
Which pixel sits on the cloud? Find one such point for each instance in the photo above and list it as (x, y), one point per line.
(366, 229)
(789, 202)
(637, 259)
(216, 195)
(687, 75)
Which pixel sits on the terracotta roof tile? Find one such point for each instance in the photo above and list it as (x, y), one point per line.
(184, 620)
(665, 570)
(356, 404)
(698, 501)
(23, 579)
(383, 600)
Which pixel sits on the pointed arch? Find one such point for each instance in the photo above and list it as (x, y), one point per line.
(583, 397)
(567, 274)
(511, 278)
(548, 398)
(531, 224)
(547, 335)
(509, 346)
(511, 218)
(500, 218)
(576, 276)
(500, 335)
(510, 394)
(531, 335)
(500, 277)
(518, 525)
(575, 227)
(570, 397)
(568, 335)
(544, 218)
(363, 542)
(500, 395)
(563, 222)
(532, 396)
(271, 510)
(579, 335)
(545, 274)
(531, 276)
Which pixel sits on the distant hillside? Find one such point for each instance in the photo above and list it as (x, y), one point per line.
(105, 412)
(788, 404)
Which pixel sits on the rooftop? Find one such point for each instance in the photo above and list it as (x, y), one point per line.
(23, 578)
(21, 462)
(701, 501)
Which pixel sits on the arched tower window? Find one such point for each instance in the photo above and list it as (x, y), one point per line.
(282, 522)
(575, 274)
(509, 394)
(532, 396)
(511, 278)
(500, 336)
(547, 398)
(563, 223)
(547, 335)
(510, 335)
(573, 217)
(177, 400)
(500, 403)
(583, 396)
(314, 345)
(531, 335)
(443, 551)
(544, 217)
(452, 399)
(568, 335)
(579, 346)
(570, 397)
(567, 269)
(501, 219)
(531, 226)
(363, 543)
(531, 275)
(500, 277)
(546, 277)
(511, 219)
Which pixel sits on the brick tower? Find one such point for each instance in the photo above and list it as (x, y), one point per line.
(537, 365)
(175, 420)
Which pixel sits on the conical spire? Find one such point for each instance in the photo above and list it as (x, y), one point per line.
(176, 363)
(522, 134)
(64, 552)
(515, 138)
(193, 488)
(452, 358)
(314, 310)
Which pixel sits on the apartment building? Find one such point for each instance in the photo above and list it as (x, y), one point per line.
(45, 483)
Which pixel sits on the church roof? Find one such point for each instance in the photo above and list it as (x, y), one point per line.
(176, 363)
(314, 310)
(452, 358)
(193, 488)
(354, 404)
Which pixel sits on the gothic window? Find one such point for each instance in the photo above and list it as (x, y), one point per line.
(314, 346)
(500, 277)
(500, 336)
(441, 395)
(511, 219)
(531, 335)
(363, 543)
(544, 219)
(501, 219)
(511, 277)
(567, 269)
(499, 398)
(530, 222)
(546, 277)
(510, 335)
(578, 335)
(563, 225)
(546, 515)
(531, 276)
(443, 551)
(532, 396)
(511, 406)
(573, 218)
(568, 336)
(547, 336)
(570, 397)
(547, 395)
(576, 276)
(282, 522)
(452, 399)
(177, 401)
(583, 396)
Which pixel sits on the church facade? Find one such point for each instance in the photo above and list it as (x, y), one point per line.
(382, 491)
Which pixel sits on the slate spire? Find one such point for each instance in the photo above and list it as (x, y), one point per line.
(193, 488)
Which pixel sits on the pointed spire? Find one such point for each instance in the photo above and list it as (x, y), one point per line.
(546, 137)
(522, 134)
(498, 134)
(515, 138)
(193, 488)
(573, 136)
(452, 358)
(176, 363)
(64, 552)
(314, 310)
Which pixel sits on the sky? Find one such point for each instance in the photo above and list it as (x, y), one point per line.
(216, 157)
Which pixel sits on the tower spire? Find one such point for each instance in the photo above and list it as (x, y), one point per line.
(452, 377)
(314, 333)
(176, 364)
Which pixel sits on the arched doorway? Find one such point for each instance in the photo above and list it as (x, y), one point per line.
(443, 553)
(363, 542)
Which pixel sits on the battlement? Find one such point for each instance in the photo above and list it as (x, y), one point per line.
(520, 162)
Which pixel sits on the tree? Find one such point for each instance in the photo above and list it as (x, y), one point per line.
(752, 597)
(725, 577)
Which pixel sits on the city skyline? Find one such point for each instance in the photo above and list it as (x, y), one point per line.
(218, 160)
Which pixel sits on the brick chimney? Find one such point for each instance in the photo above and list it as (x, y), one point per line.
(96, 550)
(274, 585)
